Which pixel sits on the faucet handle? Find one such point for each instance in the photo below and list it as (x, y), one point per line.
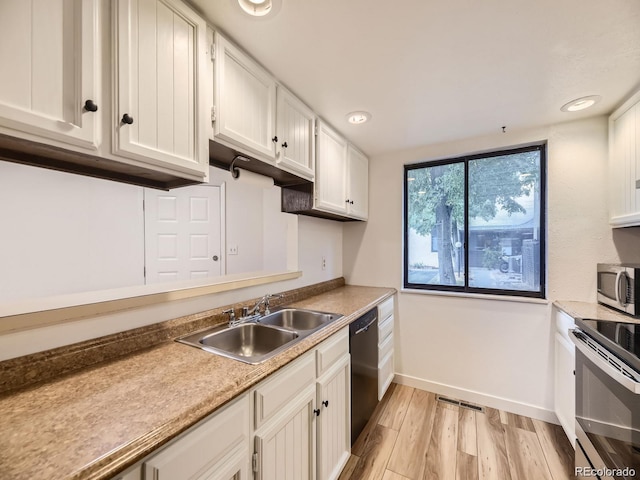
(231, 313)
(268, 297)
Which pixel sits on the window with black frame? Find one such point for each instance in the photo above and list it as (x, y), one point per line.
(485, 216)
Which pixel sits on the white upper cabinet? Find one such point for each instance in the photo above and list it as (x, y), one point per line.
(358, 176)
(295, 146)
(342, 176)
(160, 114)
(48, 50)
(624, 164)
(331, 171)
(245, 100)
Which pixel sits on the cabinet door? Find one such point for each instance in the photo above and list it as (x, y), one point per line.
(160, 115)
(334, 421)
(295, 132)
(624, 164)
(358, 172)
(285, 447)
(219, 444)
(331, 171)
(48, 49)
(245, 97)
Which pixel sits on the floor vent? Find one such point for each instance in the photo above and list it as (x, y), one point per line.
(452, 401)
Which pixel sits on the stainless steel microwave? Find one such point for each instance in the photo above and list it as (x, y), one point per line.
(618, 285)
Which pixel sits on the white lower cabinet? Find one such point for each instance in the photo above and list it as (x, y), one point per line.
(303, 417)
(284, 447)
(334, 421)
(217, 448)
(385, 346)
(564, 375)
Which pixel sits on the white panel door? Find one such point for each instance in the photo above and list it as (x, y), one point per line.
(358, 191)
(245, 99)
(285, 447)
(334, 421)
(49, 69)
(295, 132)
(331, 171)
(182, 234)
(161, 115)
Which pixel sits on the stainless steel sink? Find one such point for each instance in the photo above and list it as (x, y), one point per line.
(298, 319)
(256, 341)
(249, 342)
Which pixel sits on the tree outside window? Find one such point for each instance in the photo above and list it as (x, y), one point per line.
(485, 215)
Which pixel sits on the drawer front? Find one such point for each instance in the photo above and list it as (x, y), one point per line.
(277, 391)
(386, 347)
(200, 448)
(385, 309)
(332, 350)
(385, 329)
(385, 375)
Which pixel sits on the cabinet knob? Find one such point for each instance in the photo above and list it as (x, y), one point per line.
(316, 411)
(325, 403)
(347, 200)
(90, 106)
(275, 139)
(127, 119)
(284, 145)
(351, 202)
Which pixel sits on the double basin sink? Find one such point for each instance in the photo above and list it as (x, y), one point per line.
(256, 341)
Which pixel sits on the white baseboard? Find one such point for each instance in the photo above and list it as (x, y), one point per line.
(483, 399)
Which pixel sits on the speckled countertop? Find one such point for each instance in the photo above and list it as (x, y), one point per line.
(593, 311)
(95, 422)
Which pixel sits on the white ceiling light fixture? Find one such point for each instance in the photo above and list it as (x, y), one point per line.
(358, 118)
(581, 103)
(260, 8)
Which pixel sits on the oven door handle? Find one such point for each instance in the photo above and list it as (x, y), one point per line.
(603, 364)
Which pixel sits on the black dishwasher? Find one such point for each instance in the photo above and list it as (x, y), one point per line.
(363, 346)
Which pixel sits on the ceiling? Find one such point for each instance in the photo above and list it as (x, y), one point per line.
(432, 71)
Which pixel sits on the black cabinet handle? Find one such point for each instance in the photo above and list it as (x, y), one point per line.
(284, 145)
(325, 403)
(316, 411)
(90, 106)
(127, 119)
(275, 139)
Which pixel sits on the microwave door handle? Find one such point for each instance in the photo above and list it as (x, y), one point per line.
(618, 278)
(603, 365)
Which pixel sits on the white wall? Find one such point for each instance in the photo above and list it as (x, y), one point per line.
(61, 232)
(496, 352)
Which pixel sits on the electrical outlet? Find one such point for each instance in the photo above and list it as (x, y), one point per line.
(324, 262)
(232, 250)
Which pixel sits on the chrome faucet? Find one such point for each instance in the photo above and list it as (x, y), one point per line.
(252, 314)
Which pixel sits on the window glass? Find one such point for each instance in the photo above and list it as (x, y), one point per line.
(476, 224)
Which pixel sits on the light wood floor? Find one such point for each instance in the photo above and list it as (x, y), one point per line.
(411, 436)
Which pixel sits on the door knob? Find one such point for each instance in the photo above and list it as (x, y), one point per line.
(215, 258)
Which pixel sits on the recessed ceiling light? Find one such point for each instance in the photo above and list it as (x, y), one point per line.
(581, 103)
(260, 8)
(358, 117)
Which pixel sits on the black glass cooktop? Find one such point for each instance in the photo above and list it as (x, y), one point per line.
(623, 339)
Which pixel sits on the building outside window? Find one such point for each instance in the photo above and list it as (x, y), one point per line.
(476, 224)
